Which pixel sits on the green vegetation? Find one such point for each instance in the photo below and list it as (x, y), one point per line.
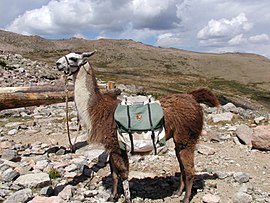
(3, 63)
(53, 173)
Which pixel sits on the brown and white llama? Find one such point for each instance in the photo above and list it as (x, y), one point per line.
(183, 117)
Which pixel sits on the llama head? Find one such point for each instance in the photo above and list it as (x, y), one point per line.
(72, 62)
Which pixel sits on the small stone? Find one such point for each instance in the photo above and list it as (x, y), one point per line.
(209, 198)
(53, 199)
(259, 119)
(20, 196)
(241, 197)
(244, 133)
(223, 117)
(33, 180)
(9, 154)
(5, 144)
(40, 165)
(203, 149)
(47, 191)
(71, 167)
(212, 184)
(61, 151)
(67, 192)
(10, 174)
(221, 175)
(12, 132)
(241, 177)
(230, 107)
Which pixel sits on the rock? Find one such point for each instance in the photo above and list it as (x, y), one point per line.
(61, 151)
(221, 175)
(10, 174)
(33, 180)
(41, 164)
(47, 191)
(203, 149)
(244, 133)
(66, 193)
(71, 167)
(53, 199)
(209, 198)
(9, 154)
(261, 137)
(223, 117)
(12, 132)
(230, 107)
(241, 197)
(13, 125)
(20, 196)
(259, 119)
(5, 144)
(241, 177)
(141, 175)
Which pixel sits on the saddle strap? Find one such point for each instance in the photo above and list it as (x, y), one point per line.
(129, 131)
(152, 129)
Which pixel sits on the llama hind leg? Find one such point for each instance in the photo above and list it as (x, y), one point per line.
(186, 162)
(115, 179)
(119, 168)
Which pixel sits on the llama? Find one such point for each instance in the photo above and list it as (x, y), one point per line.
(183, 117)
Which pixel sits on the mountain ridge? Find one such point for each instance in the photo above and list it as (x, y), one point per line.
(159, 70)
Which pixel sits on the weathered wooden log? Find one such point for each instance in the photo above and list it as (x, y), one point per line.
(15, 97)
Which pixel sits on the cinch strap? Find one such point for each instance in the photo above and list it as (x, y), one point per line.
(152, 129)
(129, 131)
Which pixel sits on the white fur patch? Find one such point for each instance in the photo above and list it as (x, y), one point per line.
(82, 98)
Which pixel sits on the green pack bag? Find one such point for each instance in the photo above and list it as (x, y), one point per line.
(138, 117)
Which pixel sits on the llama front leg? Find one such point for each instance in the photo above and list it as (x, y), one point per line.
(115, 178)
(119, 168)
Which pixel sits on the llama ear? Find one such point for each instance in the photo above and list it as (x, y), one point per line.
(88, 54)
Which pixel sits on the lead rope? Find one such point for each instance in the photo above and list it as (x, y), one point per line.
(67, 116)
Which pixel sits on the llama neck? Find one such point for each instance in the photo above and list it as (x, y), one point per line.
(86, 93)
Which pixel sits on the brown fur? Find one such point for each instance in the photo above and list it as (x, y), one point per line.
(183, 118)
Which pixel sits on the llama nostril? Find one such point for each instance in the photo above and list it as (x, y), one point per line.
(58, 65)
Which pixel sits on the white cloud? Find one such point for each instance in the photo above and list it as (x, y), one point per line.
(71, 16)
(10, 9)
(259, 38)
(206, 25)
(168, 40)
(237, 40)
(80, 36)
(225, 28)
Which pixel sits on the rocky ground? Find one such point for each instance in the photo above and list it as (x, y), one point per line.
(36, 164)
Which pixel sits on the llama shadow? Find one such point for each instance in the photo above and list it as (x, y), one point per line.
(158, 187)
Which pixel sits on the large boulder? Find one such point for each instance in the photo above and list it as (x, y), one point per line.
(261, 138)
(244, 133)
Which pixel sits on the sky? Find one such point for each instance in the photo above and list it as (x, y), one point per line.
(215, 26)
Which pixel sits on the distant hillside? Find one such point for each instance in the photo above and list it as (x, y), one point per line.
(239, 77)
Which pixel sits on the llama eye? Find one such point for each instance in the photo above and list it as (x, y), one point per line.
(73, 59)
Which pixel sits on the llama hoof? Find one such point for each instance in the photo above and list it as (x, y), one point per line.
(112, 199)
(177, 193)
(123, 199)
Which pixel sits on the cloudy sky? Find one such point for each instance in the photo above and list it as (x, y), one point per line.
(196, 25)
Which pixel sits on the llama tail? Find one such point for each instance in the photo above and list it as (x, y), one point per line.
(204, 95)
